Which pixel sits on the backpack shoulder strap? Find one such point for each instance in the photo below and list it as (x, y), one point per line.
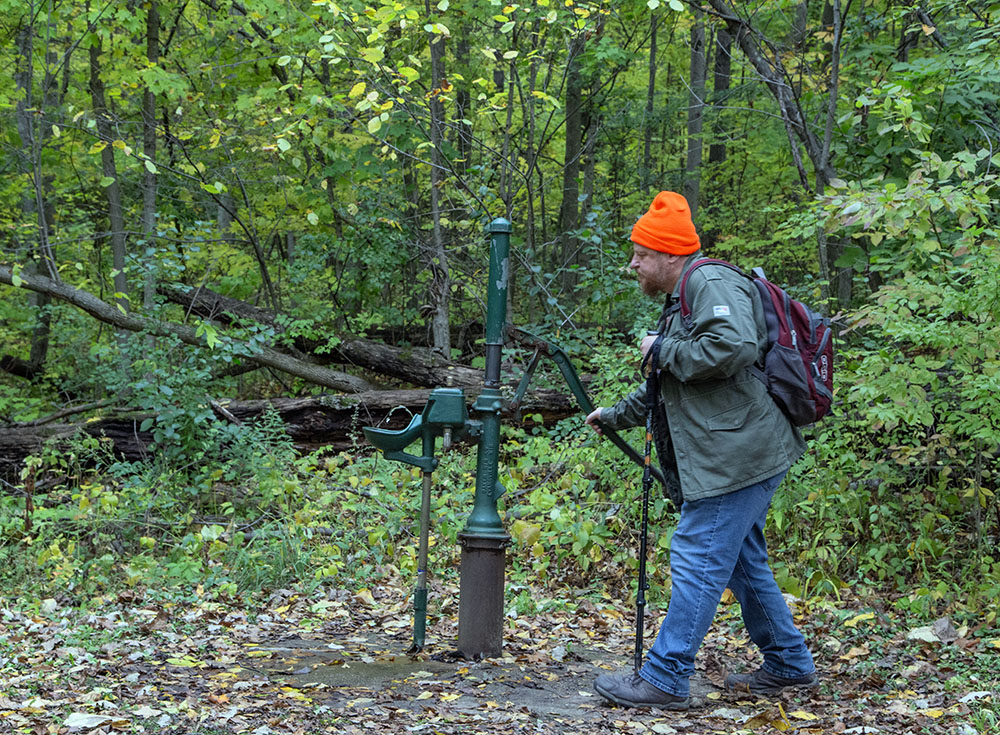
(685, 307)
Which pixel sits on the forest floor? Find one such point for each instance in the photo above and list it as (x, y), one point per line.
(334, 661)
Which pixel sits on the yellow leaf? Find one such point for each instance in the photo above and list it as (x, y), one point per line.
(364, 596)
(995, 643)
(357, 90)
(802, 715)
(934, 713)
(859, 618)
(425, 695)
(856, 652)
(527, 533)
(450, 697)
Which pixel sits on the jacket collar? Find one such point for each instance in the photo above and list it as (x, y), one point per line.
(691, 259)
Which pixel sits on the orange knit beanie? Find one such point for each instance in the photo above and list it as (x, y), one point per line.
(667, 226)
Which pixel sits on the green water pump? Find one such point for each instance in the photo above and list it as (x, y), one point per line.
(483, 539)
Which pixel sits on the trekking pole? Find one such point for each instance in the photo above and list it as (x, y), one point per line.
(652, 387)
(640, 595)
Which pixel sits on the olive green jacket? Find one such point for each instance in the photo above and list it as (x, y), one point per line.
(727, 432)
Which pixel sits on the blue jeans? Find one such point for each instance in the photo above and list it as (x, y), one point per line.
(719, 543)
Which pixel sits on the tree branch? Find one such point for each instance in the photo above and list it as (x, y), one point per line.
(109, 314)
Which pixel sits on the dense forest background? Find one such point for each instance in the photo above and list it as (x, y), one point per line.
(210, 203)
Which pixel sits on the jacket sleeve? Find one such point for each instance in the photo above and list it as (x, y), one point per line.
(723, 339)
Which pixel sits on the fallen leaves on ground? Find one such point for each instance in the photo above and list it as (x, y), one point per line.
(141, 663)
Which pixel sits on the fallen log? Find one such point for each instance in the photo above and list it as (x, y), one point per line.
(330, 421)
(413, 364)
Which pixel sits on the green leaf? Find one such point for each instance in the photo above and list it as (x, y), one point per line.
(107, 181)
(374, 125)
(653, 4)
(150, 166)
(283, 145)
(507, 27)
(283, 61)
(210, 333)
(676, 5)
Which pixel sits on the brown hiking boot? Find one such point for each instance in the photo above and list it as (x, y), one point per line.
(765, 683)
(631, 690)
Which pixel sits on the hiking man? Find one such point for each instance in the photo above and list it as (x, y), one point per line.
(724, 447)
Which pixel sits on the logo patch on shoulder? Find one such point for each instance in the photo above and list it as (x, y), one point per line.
(721, 310)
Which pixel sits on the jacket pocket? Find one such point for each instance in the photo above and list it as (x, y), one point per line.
(731, 418)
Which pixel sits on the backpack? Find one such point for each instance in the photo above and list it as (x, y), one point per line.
(798, 360)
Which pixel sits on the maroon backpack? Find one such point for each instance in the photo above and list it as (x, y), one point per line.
(798, 361)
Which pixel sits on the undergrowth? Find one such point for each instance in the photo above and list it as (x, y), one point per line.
(896, 497)
(848, 517)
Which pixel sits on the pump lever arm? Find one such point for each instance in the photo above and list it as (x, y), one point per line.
(561, 359)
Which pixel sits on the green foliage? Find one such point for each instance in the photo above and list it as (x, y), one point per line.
(901, 485)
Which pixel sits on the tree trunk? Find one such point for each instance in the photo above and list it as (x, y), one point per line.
(531, 154)
(149, 181)
(721, 72)
(840, 278)
(800, 22)
(695, 116)
(34, 203)
(647, 136)
(721, 182)
(463, 100)
(569, 210)
(438, 257)
(113, 190)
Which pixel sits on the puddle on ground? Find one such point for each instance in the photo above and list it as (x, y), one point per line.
(365, 673)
